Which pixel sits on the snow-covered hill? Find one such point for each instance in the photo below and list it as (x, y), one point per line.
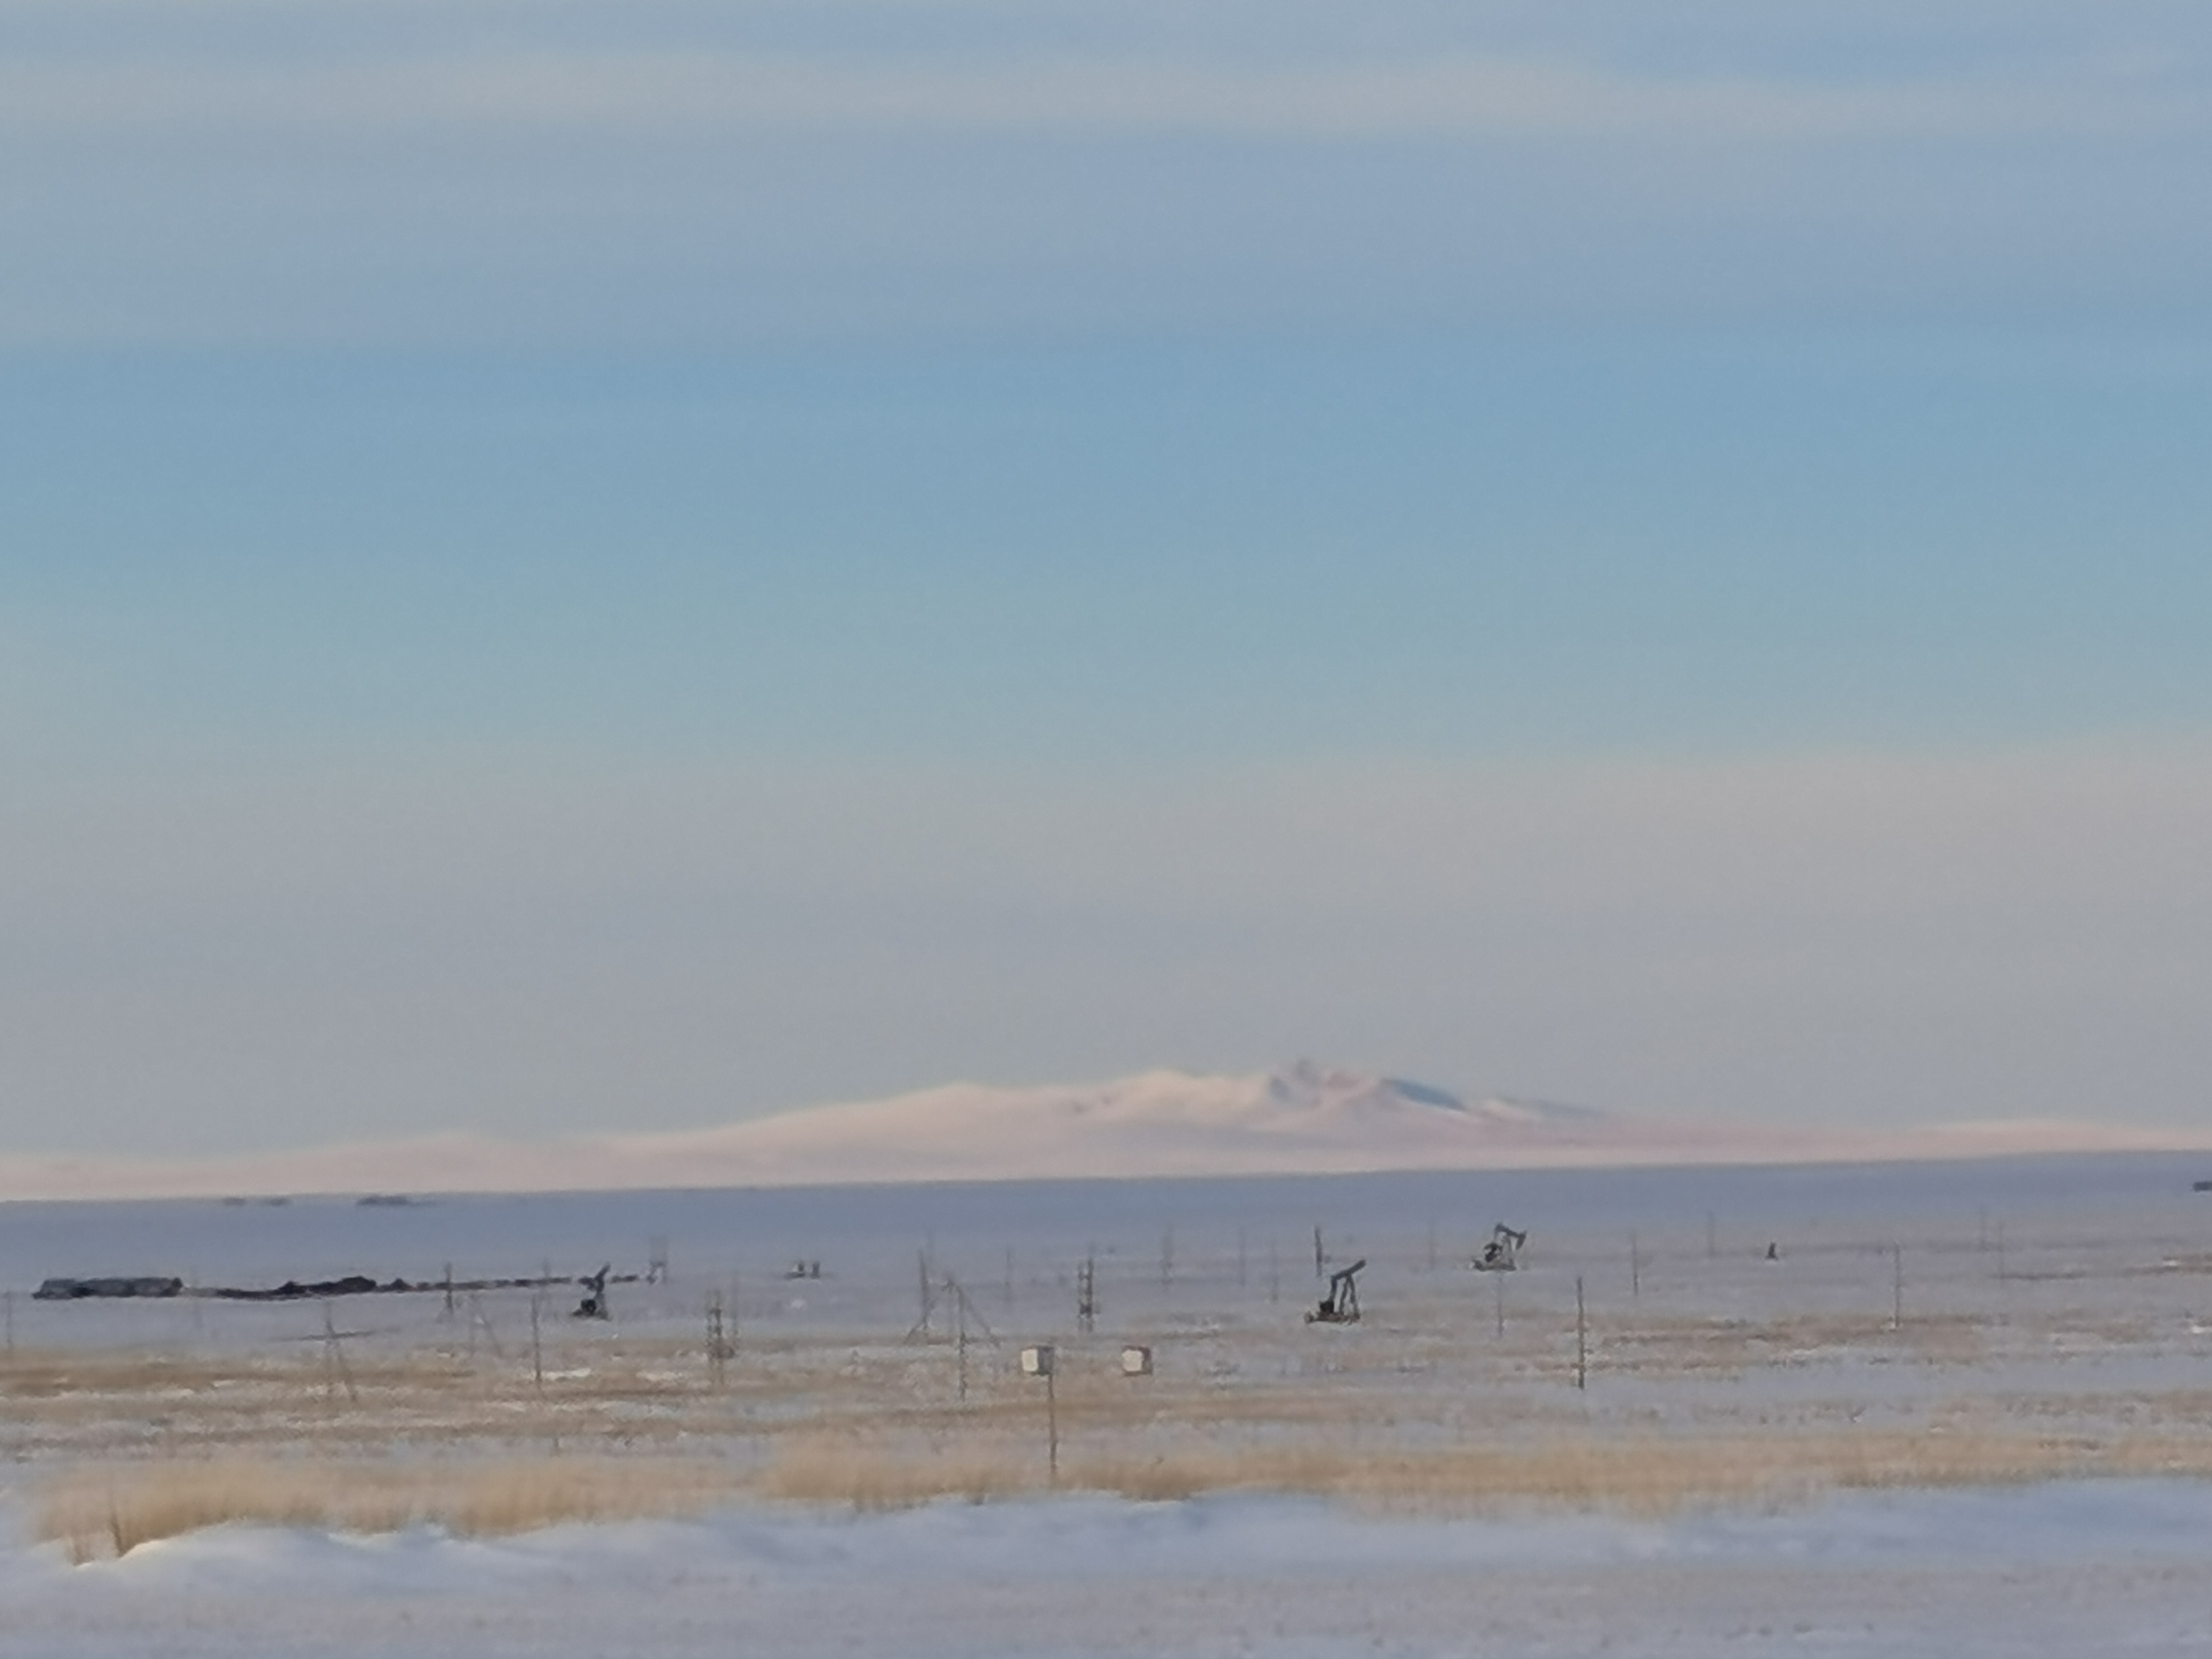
(1300, 1119)
(1303, 1118)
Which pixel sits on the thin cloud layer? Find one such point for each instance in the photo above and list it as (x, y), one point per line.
(241, 172)
(1449, 97)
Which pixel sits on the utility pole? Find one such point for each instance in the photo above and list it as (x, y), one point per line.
(335, 1369)
(1041, 1362)
(718, 1341)
(1582, 1339)
(960, 1333)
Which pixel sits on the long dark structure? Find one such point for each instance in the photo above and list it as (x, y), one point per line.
(66, 1289)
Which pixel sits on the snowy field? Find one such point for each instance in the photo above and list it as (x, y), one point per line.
(1963, 1408)
(2078, 1569)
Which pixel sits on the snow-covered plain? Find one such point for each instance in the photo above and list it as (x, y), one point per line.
(2037, 1304)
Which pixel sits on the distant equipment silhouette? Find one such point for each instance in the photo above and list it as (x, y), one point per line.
(594, 1303)
(1502, 1254)
(1341, 1305)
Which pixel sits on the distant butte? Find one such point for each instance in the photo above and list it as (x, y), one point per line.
(1303, 1117)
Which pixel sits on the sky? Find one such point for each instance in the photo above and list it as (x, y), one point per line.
(569, 566)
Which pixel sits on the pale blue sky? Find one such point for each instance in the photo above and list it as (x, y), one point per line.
(564, 562)
(1461, 545)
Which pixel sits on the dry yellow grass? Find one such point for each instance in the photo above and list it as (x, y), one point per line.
(1643, 1475)
(866, 1474)
(109, 1512)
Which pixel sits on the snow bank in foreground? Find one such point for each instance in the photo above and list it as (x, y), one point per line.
(2061, 1568)
(1212, 1537)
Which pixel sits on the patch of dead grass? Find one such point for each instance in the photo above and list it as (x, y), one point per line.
(100, 1512)
(1648, 1476)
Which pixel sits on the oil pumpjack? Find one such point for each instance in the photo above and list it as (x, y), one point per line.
(1501, 1253)
(594, 1303)
(1341, 1305)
